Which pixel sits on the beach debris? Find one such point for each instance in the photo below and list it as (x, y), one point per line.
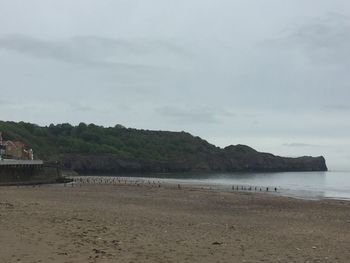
(7, 205)
(217, 243)
(231, 227)
(99, 251)
(116, 242)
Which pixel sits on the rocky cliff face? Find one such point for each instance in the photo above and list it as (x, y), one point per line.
(238, 158)
(244, 158)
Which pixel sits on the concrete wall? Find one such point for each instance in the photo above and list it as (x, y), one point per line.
(10, 175)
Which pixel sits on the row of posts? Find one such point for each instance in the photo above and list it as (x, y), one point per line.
(153, 183)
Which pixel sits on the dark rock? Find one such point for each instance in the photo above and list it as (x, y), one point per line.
(230, 159)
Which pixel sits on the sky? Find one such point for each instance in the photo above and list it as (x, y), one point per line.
(271, 74)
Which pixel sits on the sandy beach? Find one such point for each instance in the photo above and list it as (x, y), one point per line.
(125, 223)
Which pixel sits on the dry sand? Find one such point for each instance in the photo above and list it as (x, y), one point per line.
(107, 223)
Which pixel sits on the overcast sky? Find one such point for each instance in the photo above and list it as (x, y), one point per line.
(268, 73)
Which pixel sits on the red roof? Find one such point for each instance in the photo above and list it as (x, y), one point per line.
(17, 144)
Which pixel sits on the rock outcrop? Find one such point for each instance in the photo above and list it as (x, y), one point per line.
(231, 159)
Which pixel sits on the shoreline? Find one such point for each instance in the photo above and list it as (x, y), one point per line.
(172, 182)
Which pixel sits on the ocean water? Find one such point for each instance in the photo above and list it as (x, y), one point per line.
(307, 185)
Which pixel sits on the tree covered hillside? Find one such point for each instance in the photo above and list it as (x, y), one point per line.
(51, 141)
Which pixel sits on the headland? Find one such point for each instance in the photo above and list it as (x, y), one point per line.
(92, 149)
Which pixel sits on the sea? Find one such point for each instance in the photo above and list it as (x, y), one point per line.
(305, 185)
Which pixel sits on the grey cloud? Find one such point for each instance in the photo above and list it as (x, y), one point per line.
(325, 39)
(305, 145)
(336, 107)
(64, 51)
(4, 103)
(194, 115)
(134, 46)
(81, 107)
(14, 106)
(90, 107)
(93, 50)
(323, 32)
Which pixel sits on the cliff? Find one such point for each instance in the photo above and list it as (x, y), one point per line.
(260, 162)
(95, 149)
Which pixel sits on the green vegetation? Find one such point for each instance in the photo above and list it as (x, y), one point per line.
(51, 142)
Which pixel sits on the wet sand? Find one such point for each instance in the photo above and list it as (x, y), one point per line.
(124, 223)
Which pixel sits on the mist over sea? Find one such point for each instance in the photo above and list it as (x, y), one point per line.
(308, 185)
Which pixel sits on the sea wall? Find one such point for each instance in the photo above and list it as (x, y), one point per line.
(13, 175)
